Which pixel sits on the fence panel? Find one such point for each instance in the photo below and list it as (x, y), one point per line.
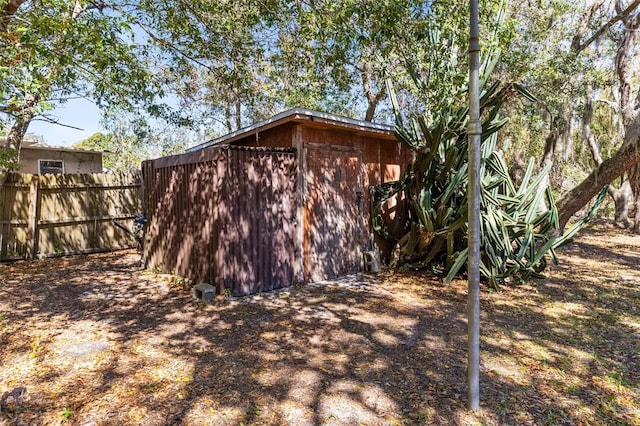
(51, 215)
(223, 215)
(258, 244)
(16, 201)
(184, 202)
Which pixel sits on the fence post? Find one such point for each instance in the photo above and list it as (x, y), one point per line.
(32, 224)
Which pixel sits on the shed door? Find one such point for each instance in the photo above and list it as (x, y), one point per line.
(334, 207)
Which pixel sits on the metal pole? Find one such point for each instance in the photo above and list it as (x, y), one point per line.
(474, 132)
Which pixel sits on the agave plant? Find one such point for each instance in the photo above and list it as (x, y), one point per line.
(518, 224)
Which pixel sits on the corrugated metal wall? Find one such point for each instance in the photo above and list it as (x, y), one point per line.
(223, 215)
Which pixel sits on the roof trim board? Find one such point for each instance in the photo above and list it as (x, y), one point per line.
(37, 145)
(302, 115)
(63, 149)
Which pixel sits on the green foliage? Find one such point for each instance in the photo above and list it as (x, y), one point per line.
(9, 159)
(541, 56)
(131, 140)
(213, 56)
(66, 413)
(124, 147)
(121, 154)
(256, 411)
(516, 226)
(236, 62)
(229, 64)
(53, 50)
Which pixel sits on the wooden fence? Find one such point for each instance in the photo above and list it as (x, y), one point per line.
(223, 215)
(52, 215)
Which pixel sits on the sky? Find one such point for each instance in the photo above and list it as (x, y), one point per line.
(77, 113)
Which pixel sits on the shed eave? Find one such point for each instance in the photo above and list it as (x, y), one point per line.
(302, 115)
(61, 149)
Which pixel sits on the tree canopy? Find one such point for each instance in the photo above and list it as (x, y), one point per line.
(222, 65)
(57, 50)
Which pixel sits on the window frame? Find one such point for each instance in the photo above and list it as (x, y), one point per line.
(56, 161)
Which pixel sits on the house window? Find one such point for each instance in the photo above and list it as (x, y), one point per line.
(50, 166)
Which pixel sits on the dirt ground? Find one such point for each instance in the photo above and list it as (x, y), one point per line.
(97, 341)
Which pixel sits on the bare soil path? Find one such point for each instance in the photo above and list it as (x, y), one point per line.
(97, 341)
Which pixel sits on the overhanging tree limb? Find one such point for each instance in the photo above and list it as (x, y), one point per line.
(577, 45)
(608, 171)
(169, 45)
(628, 155)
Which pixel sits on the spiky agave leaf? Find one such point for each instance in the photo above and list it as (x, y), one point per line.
(516, 226)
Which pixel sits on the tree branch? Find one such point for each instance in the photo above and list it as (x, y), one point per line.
(584, 23)
(175, 48)
(7, 12)
(578, 46)
(50, 120)
(627, 156)
(613, 105)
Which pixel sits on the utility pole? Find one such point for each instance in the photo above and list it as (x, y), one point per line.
(474, 131)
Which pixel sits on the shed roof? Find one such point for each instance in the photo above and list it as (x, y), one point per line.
(302, 115)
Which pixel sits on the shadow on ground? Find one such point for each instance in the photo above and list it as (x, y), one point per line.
(97, 341)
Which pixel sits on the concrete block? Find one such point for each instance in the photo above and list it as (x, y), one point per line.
(205, 292)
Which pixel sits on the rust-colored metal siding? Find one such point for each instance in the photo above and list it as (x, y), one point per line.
(183, 199)
(257, 243)
(222, 215)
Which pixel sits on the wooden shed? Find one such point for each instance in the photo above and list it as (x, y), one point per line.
(285, 200)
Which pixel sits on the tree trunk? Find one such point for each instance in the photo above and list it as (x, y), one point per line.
(238, 114)
(227, 118)
(622, 196)
(627, 156)
(371, 111)
(566, 136)
(6, 13)
(23, 115)
(373, 99)
(550, 143)
(636, 220)
(17, 131)
(624, 58)
(373, 102)
(634, 180)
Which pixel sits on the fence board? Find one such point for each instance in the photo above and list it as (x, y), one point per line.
(14, 216)
(223, 216)
(66, 214)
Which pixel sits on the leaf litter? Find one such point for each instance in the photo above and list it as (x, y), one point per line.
(95, 340)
